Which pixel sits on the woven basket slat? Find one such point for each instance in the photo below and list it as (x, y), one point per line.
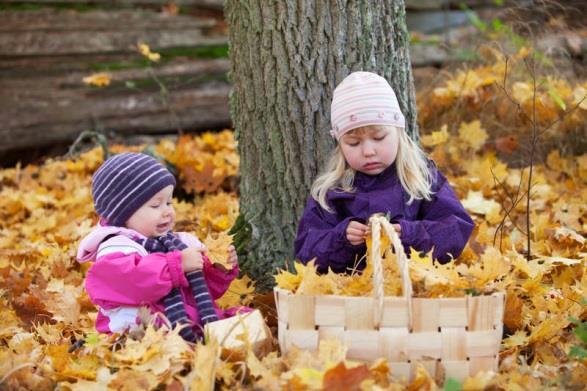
(300, 312)
(454, 343)
(431, 367)
(424, 344)
(330, 310)
(401, 370)
(329, 332)
(281, 333)
(361, 344)
(281, 303)
(453, 312)
(393, 343)
(477, 364)
(483, 343)
(499, 309)
(481, 312)
(395, 312)
(456, 369)
(303, 339)
(425, 315)
(359, 313)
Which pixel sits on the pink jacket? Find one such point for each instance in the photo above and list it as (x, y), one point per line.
(125, 277)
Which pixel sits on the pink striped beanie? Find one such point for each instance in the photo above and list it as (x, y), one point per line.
(361, 99)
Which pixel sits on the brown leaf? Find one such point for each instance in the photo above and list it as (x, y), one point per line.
(507, 144)
(513, 317)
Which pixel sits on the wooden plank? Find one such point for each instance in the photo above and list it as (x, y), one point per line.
(214, 4)
(44, 110)
(50, 32)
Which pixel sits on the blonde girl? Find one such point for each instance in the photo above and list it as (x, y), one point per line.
(377, 168)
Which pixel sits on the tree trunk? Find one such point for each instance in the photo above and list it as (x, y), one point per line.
(286, 59)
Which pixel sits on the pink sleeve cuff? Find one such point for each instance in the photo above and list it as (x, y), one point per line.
(175, 269)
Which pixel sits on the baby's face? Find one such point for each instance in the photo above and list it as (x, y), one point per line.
(370, 149)
(156, 217)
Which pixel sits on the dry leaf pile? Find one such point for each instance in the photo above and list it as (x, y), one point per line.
(47, 335)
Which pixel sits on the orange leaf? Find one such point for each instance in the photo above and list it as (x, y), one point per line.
(345, 379)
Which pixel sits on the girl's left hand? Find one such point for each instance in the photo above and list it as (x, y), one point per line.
(232, 257)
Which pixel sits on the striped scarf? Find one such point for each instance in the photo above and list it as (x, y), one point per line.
(174, 306)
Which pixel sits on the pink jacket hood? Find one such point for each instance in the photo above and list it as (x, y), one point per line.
(88, 247)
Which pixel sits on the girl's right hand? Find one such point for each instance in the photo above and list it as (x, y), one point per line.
(356, 233)
(191, 260)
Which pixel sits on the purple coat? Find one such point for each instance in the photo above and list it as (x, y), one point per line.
(441, 223)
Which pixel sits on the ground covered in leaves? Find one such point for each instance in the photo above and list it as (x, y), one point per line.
(480, 127)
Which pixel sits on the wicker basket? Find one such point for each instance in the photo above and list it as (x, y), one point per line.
(450, 337)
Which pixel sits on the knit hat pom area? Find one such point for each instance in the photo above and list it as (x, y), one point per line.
(362, 99)
(125, 182)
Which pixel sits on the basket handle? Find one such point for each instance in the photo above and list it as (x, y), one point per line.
(377, 223)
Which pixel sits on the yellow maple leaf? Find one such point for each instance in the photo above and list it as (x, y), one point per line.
(101, 79)
(522, 92)
(480, 381)
(473, 134)
(145, 50)
(476, 203)
(240, 292)
(518, 339)
(435, 138)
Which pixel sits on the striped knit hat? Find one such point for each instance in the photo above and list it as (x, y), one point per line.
(361, 99)
(124, 183)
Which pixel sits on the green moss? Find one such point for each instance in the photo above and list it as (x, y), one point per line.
(203, 52)
(212, 51)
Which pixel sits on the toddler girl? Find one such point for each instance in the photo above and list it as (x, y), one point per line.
(138, 260)
(377, 168)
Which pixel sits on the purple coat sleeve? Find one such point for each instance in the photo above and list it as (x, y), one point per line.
(321, 236)
(443, 224)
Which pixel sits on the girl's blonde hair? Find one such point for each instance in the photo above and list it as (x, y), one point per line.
(411, 165)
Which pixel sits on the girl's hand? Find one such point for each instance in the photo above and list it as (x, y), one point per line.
(398, 229)
(232, 259)
(191, 260)
(356, 232)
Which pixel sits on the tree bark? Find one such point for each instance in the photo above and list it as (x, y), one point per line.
(286, 59)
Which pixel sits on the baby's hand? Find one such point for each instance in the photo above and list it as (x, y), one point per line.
(232, 259)
(356, 232)
(191, 260)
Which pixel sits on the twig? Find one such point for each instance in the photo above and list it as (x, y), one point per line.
(15, 369)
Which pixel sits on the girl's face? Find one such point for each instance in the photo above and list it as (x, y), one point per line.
(370, 149)
(156, 217)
